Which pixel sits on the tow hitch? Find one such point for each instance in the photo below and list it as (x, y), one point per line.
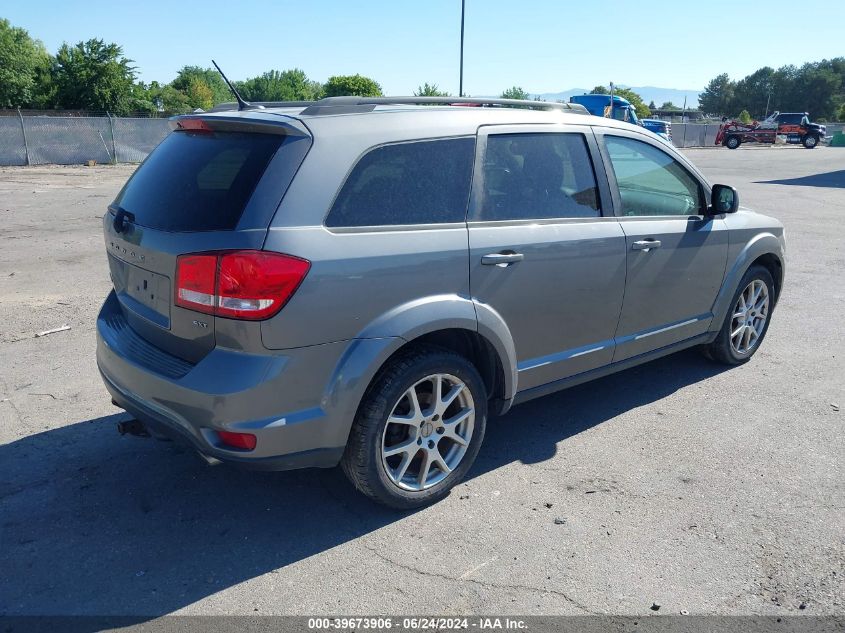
(132, 427)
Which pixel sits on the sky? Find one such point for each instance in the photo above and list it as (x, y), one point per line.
(539, 45)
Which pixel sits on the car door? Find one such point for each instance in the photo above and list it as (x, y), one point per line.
(676, 254)
(546, 253)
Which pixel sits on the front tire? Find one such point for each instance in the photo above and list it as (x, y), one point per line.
(733, 142)
(418, 429)
(747, 320)
(810, 141)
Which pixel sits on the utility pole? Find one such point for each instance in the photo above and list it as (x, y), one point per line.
(461, 84)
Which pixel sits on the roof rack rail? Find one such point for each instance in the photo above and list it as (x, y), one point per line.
(332, 105)
(346, 105)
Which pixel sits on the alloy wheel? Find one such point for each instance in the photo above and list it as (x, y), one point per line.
(749, 317)
(428, 432)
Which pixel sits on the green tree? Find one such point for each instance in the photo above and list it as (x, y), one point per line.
(515, 92)
(752, 92)
(667, 105)
(840, 115)
(718, 97)
(356, 85)
(744, 117)
(818, 86)
(141, 99)
(430, 90)
(24, 69)
(600, 90)
(815, 87)
(93, 75)
(203, 87)
(635, 100)
(169, 100)
(274, 85)
(651, 105)
(200, 95)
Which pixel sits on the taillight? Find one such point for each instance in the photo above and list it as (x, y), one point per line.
(246, 441)
(196, 280)
(250, 285)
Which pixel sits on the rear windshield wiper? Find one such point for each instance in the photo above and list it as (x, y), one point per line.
(121, 216)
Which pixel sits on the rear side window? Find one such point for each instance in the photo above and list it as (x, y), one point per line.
(422, 182)
(538, 176)
(198, 181)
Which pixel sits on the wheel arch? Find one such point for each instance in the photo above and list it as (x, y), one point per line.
(765, 250)
(774, 265)
(449, 321)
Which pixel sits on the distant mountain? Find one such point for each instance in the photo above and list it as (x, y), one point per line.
(648, 93)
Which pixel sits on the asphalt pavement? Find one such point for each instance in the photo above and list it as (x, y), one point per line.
(681, 483)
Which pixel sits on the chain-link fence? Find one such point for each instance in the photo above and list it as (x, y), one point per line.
(12, 145)
(44, 140)
(74, 140)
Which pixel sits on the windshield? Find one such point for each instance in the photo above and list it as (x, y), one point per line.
(625, 113)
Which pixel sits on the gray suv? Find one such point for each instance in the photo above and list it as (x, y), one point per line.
(364, 281)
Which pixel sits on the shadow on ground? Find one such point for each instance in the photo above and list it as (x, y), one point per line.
(834, 179)
(92, 523)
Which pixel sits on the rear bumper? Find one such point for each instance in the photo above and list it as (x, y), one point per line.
(275, 396)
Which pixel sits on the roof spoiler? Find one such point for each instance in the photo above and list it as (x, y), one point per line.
(258, 123)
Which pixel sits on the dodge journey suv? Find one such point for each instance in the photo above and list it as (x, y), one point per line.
(364, 281)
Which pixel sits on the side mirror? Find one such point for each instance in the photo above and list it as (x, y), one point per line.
(723, 199)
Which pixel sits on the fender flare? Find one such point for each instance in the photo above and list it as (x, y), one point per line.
(366, 353)
(762, 244)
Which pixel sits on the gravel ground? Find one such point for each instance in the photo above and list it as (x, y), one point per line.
(681, 483)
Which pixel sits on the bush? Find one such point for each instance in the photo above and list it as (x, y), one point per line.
(354, 85)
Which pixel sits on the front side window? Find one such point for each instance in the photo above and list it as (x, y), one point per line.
(538, 176)
(422, 182)
(650, 181)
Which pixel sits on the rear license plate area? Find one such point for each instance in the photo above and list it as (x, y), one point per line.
(144, 292)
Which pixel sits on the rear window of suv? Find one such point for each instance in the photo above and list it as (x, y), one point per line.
(419, 182)
(198, 181)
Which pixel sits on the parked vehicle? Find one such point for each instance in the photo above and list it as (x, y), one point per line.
(363, 281)
(792, 127)
(621, 110)
(663, 129)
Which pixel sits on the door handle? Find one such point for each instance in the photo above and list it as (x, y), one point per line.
(645, 245)
(501, 259)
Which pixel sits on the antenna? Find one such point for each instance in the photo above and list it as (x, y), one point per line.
(242, 103)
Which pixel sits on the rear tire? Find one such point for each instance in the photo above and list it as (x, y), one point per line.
(810, 141)
(408, 445)
(747, 320)
(733, 142)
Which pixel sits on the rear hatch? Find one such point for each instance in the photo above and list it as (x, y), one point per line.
(212, 185)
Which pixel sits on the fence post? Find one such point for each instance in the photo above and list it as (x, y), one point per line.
(23, 132)
(113, 147)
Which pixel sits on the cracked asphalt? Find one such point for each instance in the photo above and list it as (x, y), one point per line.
(681, 483)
